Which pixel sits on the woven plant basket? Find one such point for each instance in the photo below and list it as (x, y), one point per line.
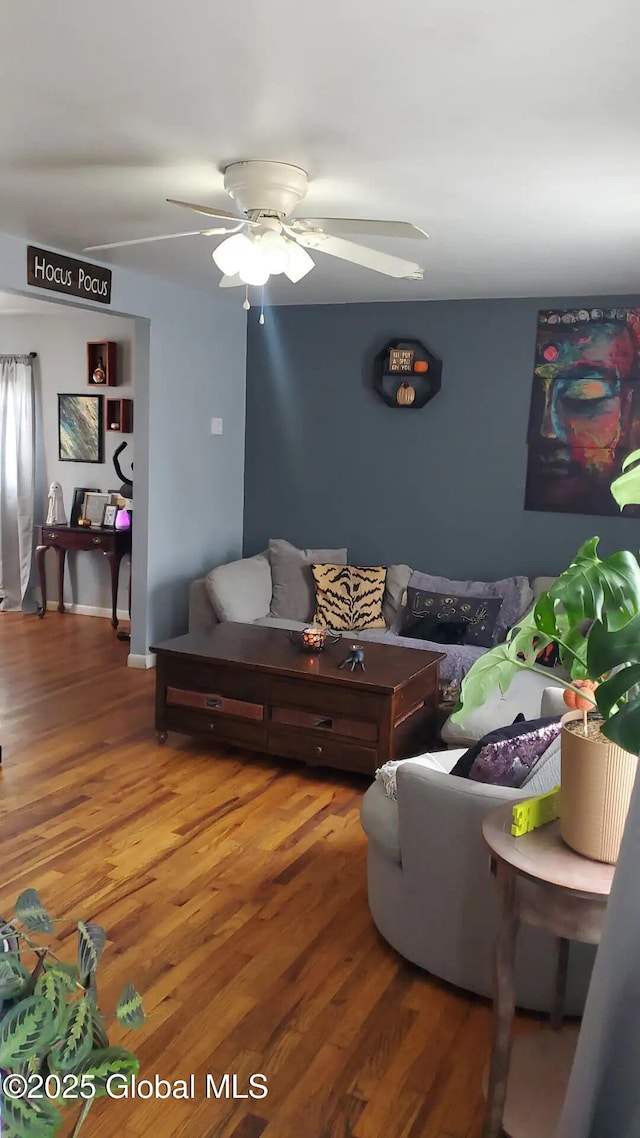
(597, 782)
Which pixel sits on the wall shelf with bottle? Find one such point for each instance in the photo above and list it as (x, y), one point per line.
(120, 415)
(102, 363)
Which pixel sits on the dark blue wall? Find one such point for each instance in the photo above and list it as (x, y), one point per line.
(329, 464)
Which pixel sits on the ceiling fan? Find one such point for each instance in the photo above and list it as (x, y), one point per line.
(263, 241)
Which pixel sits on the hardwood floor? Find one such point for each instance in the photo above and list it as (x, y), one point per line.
(233, 892)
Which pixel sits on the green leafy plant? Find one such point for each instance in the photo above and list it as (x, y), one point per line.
(592, 612)
(54, 1046)
(626, 488)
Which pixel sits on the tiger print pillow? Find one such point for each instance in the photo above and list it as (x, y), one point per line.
(349, 597)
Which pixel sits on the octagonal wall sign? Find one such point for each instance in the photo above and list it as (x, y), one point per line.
(407, 374)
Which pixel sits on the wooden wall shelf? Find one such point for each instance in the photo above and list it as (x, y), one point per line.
(406, 374)
(120, 415)
(102, 357)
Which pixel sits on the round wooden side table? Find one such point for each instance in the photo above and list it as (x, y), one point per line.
(543, 882)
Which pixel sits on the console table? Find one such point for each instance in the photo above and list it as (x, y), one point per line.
(111, 543)
(543, 882)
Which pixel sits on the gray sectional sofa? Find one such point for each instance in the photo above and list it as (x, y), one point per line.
(430, 891)
(243, 591)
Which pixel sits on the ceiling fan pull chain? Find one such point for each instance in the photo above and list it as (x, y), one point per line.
(261, 319)
(246, 304)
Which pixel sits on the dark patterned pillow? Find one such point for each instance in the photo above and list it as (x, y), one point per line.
(442, 632)
(506, 756)
(426, 614)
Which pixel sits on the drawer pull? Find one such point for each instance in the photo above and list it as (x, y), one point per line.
(52, 536)
(366, 730)
(97, 540)
(319, 749)
(213, 702)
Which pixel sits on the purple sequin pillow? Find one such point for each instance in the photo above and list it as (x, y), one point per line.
(507, 762)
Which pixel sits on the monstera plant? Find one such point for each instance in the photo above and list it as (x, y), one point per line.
(54, 1046)
(592, 613)
(626, 488)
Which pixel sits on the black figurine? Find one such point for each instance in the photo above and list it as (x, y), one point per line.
(355, 659)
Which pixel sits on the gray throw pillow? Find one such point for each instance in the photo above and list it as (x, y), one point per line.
(294, 594)
(515, 592)
(394, 594)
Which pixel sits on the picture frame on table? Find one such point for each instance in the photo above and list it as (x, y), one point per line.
(78, 503)
(110, 516)
(94, 506)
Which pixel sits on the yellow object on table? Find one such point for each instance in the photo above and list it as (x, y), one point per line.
(535, 812)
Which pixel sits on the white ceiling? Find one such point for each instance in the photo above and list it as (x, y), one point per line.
(508, 130)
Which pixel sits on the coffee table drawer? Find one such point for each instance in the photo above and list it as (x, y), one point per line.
(322, 752)
(243, 732)
(327, 724)
(214, 701)
(326, 699)
(214, 679)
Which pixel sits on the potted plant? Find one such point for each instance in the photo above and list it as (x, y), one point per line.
(592, 613)
(54, 1046)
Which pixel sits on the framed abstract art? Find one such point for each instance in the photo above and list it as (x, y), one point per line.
(584, 413)
(80, 428)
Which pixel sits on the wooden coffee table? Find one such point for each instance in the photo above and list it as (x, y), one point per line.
(252, 687)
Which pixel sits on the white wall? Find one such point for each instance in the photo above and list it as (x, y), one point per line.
(189, 363)
(60, 342)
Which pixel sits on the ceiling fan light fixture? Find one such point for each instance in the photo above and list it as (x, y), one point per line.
(299, 263)
(241, 256)
(274, 251)
(233, 253)
(254, 272)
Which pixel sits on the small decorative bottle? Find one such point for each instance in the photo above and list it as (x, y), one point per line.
(99, 374)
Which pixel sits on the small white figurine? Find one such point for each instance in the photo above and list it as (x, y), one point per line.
(56, 514)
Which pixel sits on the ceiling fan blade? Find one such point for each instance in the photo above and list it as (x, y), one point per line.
(360, 226)
(221, 229)
(210, 212)
(231, 282)
(146, 240)
(361, 255)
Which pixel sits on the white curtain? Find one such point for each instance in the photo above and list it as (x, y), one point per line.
(17, 477)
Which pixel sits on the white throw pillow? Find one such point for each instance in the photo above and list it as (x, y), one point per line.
(241, 590)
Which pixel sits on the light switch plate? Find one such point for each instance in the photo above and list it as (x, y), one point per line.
(216, 426)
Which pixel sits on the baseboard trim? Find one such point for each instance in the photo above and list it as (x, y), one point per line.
(138, 660)
(87, 610)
